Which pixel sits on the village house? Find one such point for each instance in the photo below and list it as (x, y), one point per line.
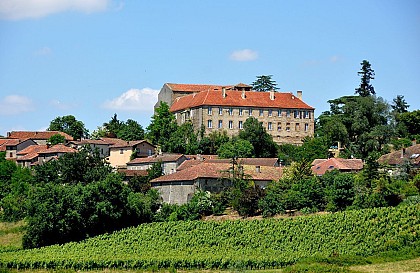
(54, 152)
(393, 161)
(40, 137)
(102, 145)
(121, 153)
(321, 166)
(28, 157)
(170, 162)
(209, 175)
(284, 115)
(13, 146)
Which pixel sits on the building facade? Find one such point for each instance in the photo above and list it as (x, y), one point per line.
(284, 115)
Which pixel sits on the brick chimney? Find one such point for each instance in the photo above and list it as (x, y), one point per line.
(243, 93)
(224, 92)
(299, 94)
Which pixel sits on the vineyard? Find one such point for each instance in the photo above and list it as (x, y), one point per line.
(254, 244)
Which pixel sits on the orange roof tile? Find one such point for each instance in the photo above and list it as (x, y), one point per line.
(411, 153)
(153, 159)
(337, 163)
(179, 87)
(234, 98)
(125, 144)
(59, 148)
(32, 149)
(219, 170)
(37, 134)
(132, 173)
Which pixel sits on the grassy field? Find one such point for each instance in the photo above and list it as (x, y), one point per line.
(11, 235)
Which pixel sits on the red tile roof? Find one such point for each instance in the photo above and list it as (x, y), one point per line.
(126, 144)
(32, 150)
(337, 163)
(179, 87)
(59, 148)
(112, 141)
(132, 173)
(8, 142)
(157, 158)
(219, 170)
(37, 135)
(234, 98)
(411, 153)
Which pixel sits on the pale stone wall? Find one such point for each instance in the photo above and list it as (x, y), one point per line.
(284, 125)
(118, 157)
(175, 192)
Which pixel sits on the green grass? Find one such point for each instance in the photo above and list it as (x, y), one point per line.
(11, 235)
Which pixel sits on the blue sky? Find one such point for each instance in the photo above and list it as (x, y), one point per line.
(94, 58)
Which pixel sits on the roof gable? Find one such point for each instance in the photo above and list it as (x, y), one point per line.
(336, 163)
(37, 135)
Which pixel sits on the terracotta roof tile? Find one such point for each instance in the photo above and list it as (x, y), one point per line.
(219, 170)
(32, 149)
(59, 148)
(411, 153)
(153, 159)
(193, 87)
(234, 98)
(131, 173)
(125, 144)
(337, 163)
(37, 135)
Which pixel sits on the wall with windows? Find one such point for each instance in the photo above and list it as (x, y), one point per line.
(285, 125)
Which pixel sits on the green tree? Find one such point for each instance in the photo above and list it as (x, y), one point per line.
(70, 125)
(161, 127)
(264, 83)
(56, 139)
(131, 130)
(367, 73)
(184, 140)
(7, 169)
(339, 190)
(255, 133)
(400, 105)
(411, 121)
(236, 148)
(211, 143)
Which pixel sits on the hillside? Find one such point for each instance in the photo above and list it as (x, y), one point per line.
(254, 244)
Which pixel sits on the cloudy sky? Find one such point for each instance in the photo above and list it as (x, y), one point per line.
(94, 58)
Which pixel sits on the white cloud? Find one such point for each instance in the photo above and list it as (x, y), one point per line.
(43, 51)
(244, 55)
(134, 100)
(15, 104)
(24, 9)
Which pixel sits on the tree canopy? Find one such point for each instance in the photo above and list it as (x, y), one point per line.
(264, 83)
(161, 127)
(129, 130)
(255, 133)
(367, 73)
(69, 125)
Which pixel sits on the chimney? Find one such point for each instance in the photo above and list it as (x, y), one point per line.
(272, 95)
(224, 92)
(257, 169)
(299, 94)
(243, 94)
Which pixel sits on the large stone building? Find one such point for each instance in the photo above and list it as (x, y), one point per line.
(284, 115)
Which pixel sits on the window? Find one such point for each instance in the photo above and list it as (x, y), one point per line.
(230, 124)
(270, 113)
(230, 111)
(210, 123)
(278, 126)
(297, 127)
(288, 127)
(220, 111)
(261, 112)
(241, 125)
(279, 113)
(240, 111)
(121, 151)
(307, 114)
(306, 127)
(296, 114)
(270, 126)
(288, 113)
(220, 124)
(250, 111)
(210, 111)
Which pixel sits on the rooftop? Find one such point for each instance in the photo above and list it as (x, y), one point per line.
(37, 135)
(324, 165)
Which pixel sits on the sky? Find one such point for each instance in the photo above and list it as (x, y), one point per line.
(94, 58)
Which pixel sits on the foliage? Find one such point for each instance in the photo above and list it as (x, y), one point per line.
(129, 130)
(7, 168)
(70, 125)
(255, 133)
(339, 190)
(264, 83)
(399, 105)
(211, 143)
(365, 89)
(257, 244)
(56, 139)
(161, 127)
(63, 213)
(411, 122)
(183, 140)
(236, 148)
(142, 183)
(85, 166)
